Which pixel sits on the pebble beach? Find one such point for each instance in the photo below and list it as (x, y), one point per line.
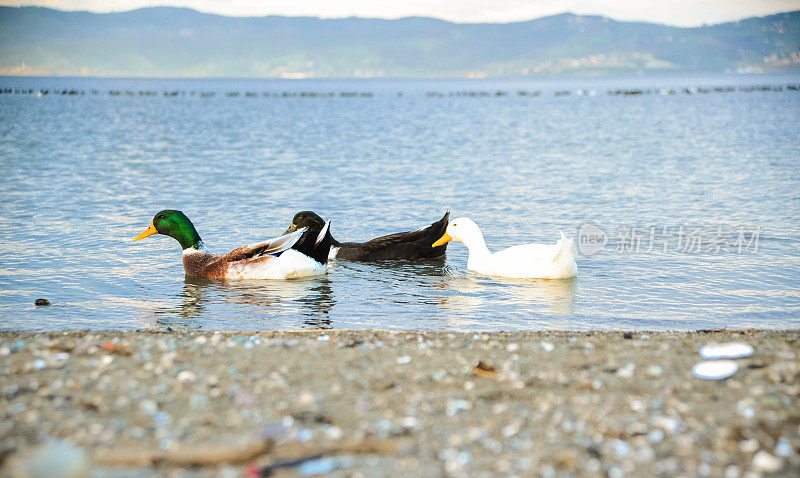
(387, 403)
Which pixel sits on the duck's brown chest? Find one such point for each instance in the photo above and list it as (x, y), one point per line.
(203, 264)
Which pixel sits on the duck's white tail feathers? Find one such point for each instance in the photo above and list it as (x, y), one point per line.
(566, 249)
(322, 233)
(282, 243)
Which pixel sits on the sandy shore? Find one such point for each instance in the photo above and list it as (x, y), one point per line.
(375, 403)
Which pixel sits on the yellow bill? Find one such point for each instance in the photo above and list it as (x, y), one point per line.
(149, 232)
(442, 240)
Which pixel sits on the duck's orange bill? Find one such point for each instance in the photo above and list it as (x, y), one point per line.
(442, 240)
(149, 232)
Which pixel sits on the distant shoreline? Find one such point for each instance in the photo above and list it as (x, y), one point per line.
(180, 42)
(531, 78)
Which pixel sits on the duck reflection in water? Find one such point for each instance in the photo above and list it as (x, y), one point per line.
(469, 292)
(192, 304)
(397, 281)
(314, 297)
(317, 305)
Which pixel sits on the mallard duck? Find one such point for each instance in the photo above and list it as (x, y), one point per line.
(272, 259)
(402, 245)
(527, 261)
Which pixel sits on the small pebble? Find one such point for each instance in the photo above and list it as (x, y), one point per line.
(385, 425)
(626, 371)
(646, 453)
(620, 448)
(306, 399)
(149, 407)
(731, 471)
(409, 422)
(512, 428)
(667, 424)
(547, 471)
(334, 433)
(161, 417)
(766, 463)
(783, 448)
(745, 410)
(748, 446)
(456, 405)
(186, 376)
(654, 371)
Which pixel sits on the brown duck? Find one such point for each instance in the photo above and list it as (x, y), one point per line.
(276, 258)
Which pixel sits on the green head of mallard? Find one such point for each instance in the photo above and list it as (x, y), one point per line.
(176, 225)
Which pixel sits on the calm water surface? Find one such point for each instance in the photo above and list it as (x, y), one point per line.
(696, 197)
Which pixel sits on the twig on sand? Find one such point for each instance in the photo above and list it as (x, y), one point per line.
(185, 455)
(182, 455)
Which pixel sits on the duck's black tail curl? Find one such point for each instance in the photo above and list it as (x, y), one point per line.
(436, 231)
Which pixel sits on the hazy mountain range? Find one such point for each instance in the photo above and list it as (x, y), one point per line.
(179, 42)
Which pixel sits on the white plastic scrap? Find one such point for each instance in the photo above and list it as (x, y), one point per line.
(715, 369)
(726, 351)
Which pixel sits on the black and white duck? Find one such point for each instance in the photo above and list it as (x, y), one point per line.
(402, 245)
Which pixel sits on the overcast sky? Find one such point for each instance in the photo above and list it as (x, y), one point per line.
(674, 12)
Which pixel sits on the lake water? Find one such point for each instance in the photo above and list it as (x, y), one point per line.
(687, 204)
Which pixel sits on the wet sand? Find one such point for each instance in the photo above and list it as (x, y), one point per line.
(384, 403)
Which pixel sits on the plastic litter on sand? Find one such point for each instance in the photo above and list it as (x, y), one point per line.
(726, 351)
(715, 369)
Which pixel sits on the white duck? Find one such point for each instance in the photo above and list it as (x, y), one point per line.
(532, 261)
